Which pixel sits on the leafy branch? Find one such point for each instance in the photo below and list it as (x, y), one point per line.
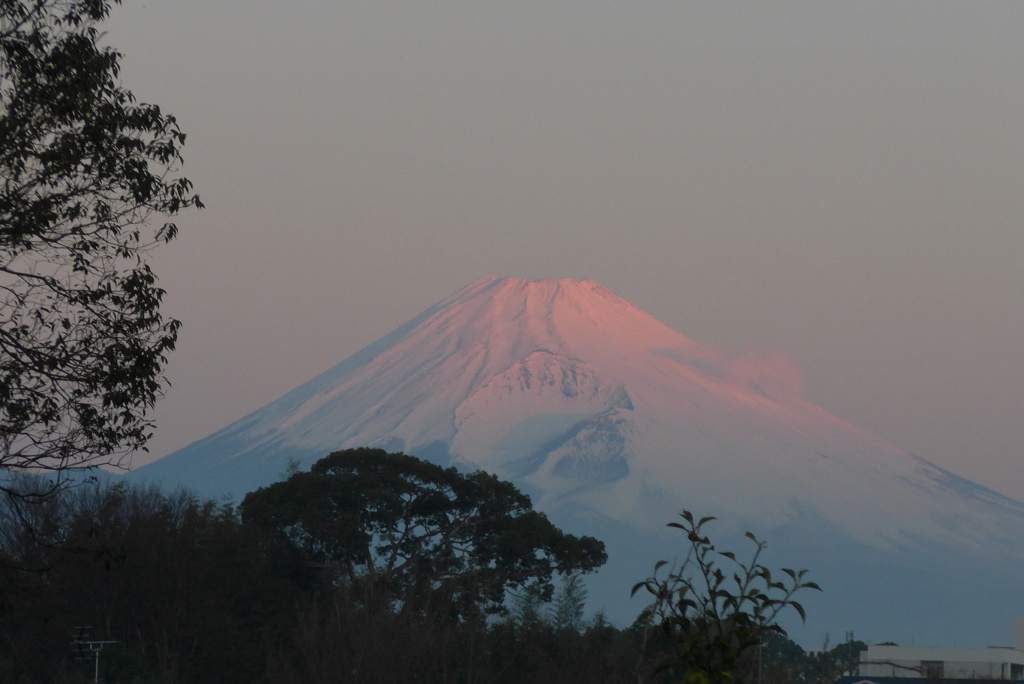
(712, 614)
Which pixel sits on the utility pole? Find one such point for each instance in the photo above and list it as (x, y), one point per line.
(86, 648)
(760, 661)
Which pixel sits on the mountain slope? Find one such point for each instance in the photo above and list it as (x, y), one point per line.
(604, 414)
(567, 387)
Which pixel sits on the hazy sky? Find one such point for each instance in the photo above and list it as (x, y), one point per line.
(842, 181)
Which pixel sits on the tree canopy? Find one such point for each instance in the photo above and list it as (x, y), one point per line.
(404, 532)
(190, 593)
(84, 169)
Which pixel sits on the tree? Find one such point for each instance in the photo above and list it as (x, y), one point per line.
(406, 535)
(841, 660)
(84, 169)
(527, 607)
(570, 603)
(713, 618)
(779, 660)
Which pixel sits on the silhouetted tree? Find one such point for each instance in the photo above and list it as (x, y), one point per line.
(528, 606)
(406, 534)
(570, 603)
(83, 170)
(778, 660)
(829, 664)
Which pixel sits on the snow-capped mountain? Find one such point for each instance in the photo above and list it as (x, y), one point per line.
(613, 422)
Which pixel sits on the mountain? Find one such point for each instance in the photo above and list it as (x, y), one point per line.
(614, 422)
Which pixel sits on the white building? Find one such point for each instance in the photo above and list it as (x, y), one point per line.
(994, 662)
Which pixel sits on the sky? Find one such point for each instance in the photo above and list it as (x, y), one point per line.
(838, 181)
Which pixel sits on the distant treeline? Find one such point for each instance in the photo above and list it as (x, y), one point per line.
(438, 577)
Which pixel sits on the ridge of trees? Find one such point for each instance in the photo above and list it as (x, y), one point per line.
(294, 585)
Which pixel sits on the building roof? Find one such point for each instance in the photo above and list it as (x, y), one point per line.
(856, 679)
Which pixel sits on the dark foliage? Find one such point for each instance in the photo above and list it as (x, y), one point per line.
(400, 533)
(83, 170)
(715, 616)
(193, 594)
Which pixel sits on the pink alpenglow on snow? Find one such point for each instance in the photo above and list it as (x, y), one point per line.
(590, 403)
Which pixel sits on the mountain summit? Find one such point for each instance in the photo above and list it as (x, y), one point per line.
(602, 413)
(567, 389)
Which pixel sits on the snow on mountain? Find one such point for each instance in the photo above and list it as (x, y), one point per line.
(573, 390)
(599, 410)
